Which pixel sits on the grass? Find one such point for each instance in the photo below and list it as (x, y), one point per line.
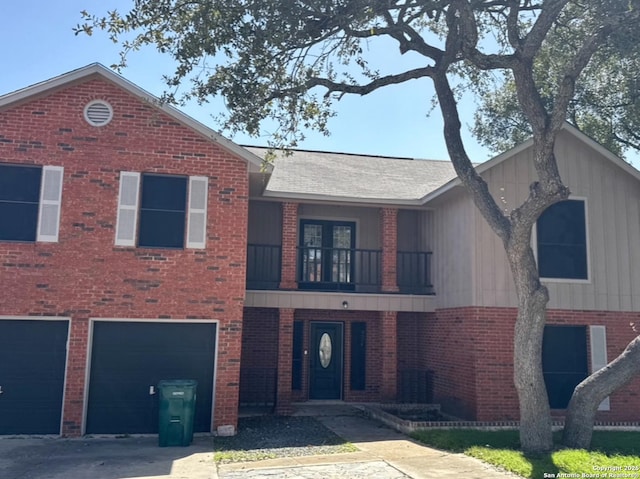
(613, 454)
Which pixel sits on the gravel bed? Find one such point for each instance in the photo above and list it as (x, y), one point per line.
(268, 437)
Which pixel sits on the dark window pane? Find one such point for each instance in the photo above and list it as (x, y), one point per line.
(297, 356)
(562, 241)
(358, 355)
(19, 202)
(564, 362)
(162, 211)
(161, 229)
(20, 183)
(18, 221)
(164, 192)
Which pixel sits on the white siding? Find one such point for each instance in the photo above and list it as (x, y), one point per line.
(613, 223)
(453, 255)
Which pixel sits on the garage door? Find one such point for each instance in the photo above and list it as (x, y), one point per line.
(33, 354)
(128, 359)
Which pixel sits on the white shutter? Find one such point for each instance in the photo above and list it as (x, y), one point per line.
(197, 212)
(127, 208)
(50, 204)
(598, 339)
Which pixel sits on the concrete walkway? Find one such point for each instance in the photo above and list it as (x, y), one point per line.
(383, 454)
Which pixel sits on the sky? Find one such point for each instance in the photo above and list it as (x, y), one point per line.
(39, 43)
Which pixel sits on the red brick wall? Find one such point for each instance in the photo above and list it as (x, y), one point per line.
(259, 362)
(84, 275)
(374, 377)
(449, 354)
(389, 242)
(289, 246)
(471, 353)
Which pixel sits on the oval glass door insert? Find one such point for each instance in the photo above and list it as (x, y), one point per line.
(325, 349)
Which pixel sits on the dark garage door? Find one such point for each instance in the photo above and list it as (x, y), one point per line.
(129, 358)
(32, 363)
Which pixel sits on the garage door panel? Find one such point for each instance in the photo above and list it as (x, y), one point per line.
(32, 368)
(129, 357)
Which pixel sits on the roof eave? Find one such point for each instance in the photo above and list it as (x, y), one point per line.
(288, 195)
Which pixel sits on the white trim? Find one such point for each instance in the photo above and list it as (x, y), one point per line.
(56, 202)
(135, 207)
(599, 356)
(100, 70)
(66, 358)
(534, 245)
(92, 321)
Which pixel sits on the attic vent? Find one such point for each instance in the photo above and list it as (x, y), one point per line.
(98, 113)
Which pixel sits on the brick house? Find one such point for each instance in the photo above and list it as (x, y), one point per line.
(138, 245)
(122, 234)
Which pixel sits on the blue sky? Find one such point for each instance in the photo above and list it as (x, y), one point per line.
(39, 44)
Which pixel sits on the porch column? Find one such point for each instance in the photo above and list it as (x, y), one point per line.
(285, 357)
(389, 243)
(289, 246)
(388, 320)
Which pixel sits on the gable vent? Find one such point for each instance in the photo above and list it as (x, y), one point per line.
(98, 113)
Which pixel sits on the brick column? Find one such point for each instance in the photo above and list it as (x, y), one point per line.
(289, 246)
(74, 387)
(388, 325)
(285, 357)
(389, 243)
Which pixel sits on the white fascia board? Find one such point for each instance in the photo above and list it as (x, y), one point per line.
(340, 199)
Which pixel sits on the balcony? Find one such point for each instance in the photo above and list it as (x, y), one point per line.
(338, 269)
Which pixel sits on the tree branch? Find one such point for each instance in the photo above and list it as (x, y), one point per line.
(461, 162)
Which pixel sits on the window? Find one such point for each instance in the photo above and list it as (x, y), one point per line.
(564, 362)
(326, 249)
(358, 355)
(164, 204)
(30, 198)
(562, 241)
(162, 211)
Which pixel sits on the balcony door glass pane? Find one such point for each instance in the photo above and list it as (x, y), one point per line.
(312, 253)
(341, 267)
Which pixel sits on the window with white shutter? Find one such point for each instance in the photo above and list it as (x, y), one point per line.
(197, 213)
(30, 202)
(50, 204)
(598, 339)
(128, 199)
(162, 211)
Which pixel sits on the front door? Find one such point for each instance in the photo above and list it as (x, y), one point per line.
(325, 376)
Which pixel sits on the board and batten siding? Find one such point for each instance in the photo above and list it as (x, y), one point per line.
(453, 249)
(265, 222)
(415, 230)
(613, 228)
(367, 220)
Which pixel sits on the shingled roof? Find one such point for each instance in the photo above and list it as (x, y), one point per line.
(354, 178)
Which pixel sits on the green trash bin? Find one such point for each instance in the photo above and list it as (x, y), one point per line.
(176, 411)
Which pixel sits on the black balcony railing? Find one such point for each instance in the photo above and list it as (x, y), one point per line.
(338, 269)
(263, 266)
(414, 272)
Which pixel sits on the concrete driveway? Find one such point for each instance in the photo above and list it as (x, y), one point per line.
(104, 458)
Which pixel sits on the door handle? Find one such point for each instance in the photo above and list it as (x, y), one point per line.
(1, 391)
(152, 390)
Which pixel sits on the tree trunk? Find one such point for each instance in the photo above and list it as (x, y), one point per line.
(536, 435)
(588, 395)
(535, 415)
